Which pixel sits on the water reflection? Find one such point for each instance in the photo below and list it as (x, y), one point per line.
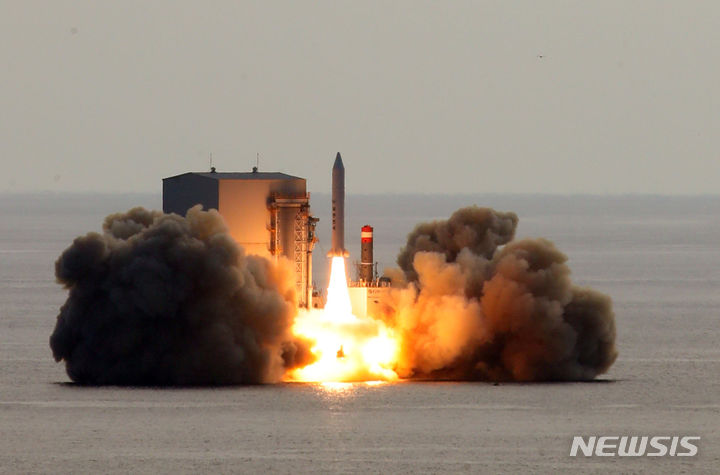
(340, 389)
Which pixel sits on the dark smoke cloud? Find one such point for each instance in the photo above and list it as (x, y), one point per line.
(168, 300)
(480, 230)
(469, 310)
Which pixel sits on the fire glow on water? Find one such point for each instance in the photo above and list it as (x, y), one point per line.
(347, 348)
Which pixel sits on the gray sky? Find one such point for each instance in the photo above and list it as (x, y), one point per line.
(560, 97)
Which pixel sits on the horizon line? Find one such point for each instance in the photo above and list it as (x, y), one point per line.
(393, 193)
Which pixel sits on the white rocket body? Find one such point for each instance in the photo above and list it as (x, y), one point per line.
(338, 209)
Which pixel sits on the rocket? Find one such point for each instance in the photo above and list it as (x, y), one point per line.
(338, 209)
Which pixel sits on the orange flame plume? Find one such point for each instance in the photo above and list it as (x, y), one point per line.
(347, 348)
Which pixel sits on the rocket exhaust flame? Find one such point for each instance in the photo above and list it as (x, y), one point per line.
(346, 348)
(338, 298)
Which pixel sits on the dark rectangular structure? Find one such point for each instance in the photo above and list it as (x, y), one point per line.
(268, 214)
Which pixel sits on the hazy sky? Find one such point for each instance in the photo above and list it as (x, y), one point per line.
(561, 97)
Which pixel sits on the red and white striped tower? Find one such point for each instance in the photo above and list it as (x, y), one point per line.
(366, 254)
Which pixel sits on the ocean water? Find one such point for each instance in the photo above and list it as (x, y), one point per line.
(657, 257)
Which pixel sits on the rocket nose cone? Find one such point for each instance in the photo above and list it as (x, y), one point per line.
(338, 162)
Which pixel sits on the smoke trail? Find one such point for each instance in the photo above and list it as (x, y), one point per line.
(163, 299)
(470, 311)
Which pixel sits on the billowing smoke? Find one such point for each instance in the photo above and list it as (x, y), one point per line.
(467, 309)
(168, 300)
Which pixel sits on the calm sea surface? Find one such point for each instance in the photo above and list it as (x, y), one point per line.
(657, 257)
